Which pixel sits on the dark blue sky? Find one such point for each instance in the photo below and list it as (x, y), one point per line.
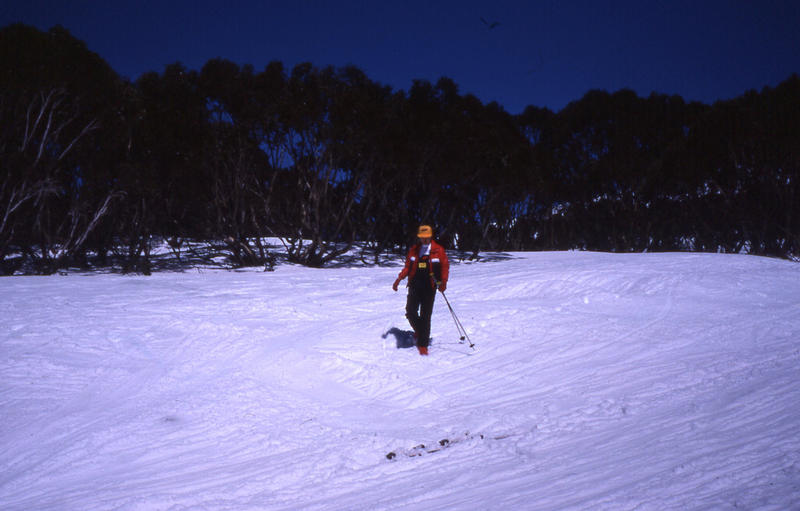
(542, 52)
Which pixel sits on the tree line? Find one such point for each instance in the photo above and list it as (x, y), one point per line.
(97, 170)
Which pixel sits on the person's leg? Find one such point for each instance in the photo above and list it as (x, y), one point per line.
(412, 310)
(426, 306)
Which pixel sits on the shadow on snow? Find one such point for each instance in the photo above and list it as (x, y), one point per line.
(403, 338)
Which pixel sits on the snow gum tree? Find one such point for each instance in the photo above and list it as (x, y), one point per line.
(55, 95)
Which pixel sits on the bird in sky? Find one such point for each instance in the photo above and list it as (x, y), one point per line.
(490, 25)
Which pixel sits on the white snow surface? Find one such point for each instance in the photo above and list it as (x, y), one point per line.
(598, 381)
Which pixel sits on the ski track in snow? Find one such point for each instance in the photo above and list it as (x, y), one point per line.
(599, 381)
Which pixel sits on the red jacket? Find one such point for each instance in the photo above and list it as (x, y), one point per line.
(440, 266)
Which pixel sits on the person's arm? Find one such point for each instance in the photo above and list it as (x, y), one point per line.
(444, 269)
(404, 272)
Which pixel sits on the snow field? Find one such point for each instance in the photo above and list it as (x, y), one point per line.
(599, 381)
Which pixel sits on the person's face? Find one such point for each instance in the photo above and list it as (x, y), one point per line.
(425, 241)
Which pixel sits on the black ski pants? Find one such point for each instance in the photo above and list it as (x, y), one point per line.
(419, 307)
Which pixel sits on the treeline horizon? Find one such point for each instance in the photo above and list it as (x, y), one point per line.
(97, 170)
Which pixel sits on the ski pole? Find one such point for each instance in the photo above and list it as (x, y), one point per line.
(461, 330)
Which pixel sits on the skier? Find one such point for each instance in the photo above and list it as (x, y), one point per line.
(427, 270)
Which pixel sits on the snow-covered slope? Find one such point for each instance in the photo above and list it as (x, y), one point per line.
(599, 381)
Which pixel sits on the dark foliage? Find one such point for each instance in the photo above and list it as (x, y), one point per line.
(93, 168)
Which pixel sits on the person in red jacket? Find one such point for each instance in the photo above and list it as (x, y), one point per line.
(427, 270)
